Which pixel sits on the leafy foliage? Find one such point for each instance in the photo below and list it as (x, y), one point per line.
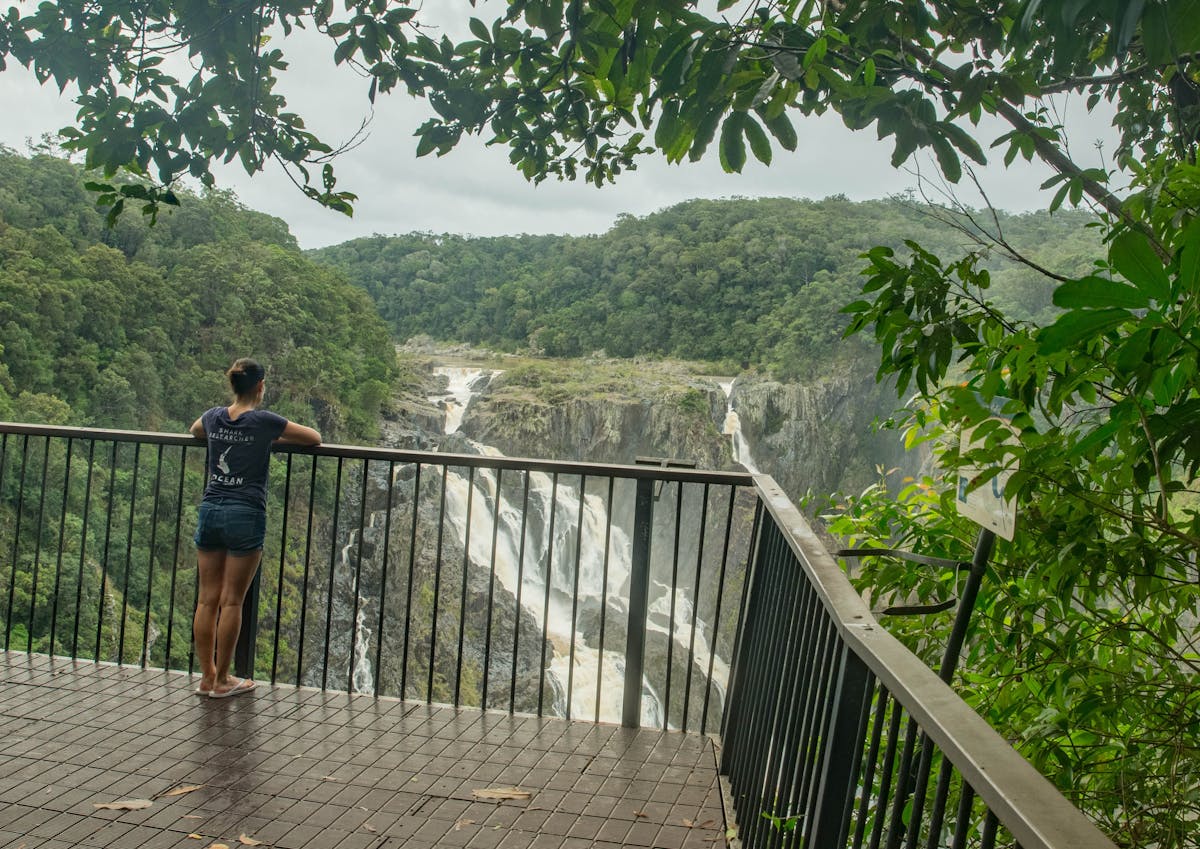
(133, 326)
(739, 281)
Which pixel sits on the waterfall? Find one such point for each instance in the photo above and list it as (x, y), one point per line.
(733, 429)
(577, 538)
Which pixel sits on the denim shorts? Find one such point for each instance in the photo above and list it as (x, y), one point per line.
(232, 526)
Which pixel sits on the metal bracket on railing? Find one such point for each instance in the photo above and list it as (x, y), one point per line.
(663, 463)
(910, 557)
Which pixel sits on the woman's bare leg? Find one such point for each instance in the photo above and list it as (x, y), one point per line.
(239, 572)
(211, 567)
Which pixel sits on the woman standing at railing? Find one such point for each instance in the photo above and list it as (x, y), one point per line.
(232, 521)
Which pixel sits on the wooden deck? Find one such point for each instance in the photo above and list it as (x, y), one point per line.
(295, 767)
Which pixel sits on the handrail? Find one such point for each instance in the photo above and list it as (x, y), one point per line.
(400, 455)
(1033, 810)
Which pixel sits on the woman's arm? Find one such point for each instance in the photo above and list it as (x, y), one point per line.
(298, 434)
(197, 429)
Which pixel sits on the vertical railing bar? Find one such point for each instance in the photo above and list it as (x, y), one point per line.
(671, 606)
(387, 549)
(803, 672)
(312, 504)
(362, 532)
(549, 580)
(847, 700)
(487, 643)
(920, 786)
(112, 497)
(788, 744)
(872, 760)
(37, 544)
(735, 658)
(792, 637)
(462, 600)
(333, 552)
(687, 686)
(16, 550)
(175, 550)
(766, 683)
(62, 527)
(987, 839)
(512, 692)
(575, 592)
(903, 779)
(87, 509)
(137, 454)
(283, 535)
(608, 513)
(712, 646)
(885, 778)
(12, 582)
(857, 758)
(821, 716)
(412, 563)
(640, 560)
(937, 816)
(962, 822)
(150, 559)
(437, 586)
(759, 683)
(729, 728)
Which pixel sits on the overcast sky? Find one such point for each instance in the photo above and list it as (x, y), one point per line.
(474, 189)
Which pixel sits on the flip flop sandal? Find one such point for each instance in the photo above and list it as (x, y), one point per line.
(243, 685)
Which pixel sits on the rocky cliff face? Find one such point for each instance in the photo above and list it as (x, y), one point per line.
(679, 422)
(819, 436)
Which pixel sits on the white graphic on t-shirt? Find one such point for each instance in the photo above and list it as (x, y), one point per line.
(221, 464)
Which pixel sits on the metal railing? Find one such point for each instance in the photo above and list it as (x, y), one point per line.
(481, 581)
(597, 592)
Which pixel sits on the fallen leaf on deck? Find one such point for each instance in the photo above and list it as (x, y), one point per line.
(218, 846)
(179, 791)
(731, 833)
(195, 836)
(500, 793)
(191, 817)
(463, 824)
(329, 778)
(640, 814)
(689, 823)
(368, 827)
(246, 840)
(125, 805)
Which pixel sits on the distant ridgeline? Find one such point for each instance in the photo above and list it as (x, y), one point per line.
(757, 281)
(132, 326)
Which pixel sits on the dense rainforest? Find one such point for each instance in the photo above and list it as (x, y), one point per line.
(742, 281)
(132, 326)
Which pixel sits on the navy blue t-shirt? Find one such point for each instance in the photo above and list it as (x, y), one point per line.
(239, 451)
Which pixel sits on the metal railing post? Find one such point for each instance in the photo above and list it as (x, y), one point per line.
(842, 750)
(243, 653)
(639, 594)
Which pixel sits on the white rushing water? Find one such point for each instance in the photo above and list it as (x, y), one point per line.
(733, 429)
(575, 664)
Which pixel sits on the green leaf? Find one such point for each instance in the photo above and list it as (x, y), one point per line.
(733, 145)
(760, 145)
(1077, 325)
(1098, 292)
(1132, 255)
(783, 131)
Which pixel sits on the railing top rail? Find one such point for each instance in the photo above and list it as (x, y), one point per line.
(658, 473)
(1032, 809)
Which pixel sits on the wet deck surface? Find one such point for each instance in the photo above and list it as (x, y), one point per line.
(301, 768)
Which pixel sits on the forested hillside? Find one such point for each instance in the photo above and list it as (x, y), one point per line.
(742, 280)
(132, 326)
